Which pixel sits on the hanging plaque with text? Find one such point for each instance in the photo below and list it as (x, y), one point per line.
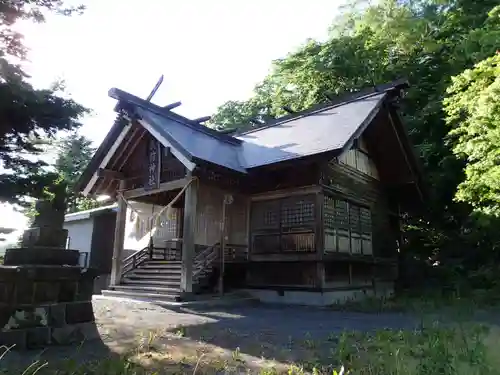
(153, 165)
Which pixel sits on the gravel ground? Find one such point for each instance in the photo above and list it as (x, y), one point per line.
(273, 332)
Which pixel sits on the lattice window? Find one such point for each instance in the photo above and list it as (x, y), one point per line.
(297, 213)
(341, 214)
(265, 215)
(347, 227)
(283, 225)
(329, 212)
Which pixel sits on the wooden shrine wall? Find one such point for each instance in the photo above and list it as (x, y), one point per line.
(209, 217)
(357, 216)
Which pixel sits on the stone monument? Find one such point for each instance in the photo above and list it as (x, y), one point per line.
(45, 296)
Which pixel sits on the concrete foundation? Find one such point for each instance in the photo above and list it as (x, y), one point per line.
(321, 298)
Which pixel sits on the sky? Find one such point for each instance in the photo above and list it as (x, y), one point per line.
(208, 51)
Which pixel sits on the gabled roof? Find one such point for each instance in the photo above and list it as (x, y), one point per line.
(328, 127)
(193, 143)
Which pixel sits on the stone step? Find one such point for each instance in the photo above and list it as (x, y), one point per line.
(141, 296)
(152, 264)
(147, 272)
(153, 276)
(148, 289)
(169, 262)
(153, 283)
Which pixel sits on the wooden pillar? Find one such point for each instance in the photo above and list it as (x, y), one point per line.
(119, 240)
(188, 237)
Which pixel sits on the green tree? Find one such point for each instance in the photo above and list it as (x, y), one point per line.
(425, 41)
(473, 111)
(74, 152)
(28, 116)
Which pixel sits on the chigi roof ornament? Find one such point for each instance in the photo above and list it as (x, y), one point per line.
(155, 89)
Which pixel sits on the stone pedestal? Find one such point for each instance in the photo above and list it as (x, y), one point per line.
(45, 236)
(42, 305)
(45, 296)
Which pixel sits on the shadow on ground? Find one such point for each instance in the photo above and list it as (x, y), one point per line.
(283, 333)
(254, 335)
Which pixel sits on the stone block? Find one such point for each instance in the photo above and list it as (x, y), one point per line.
(79, 312)
(67, 291)
(16, 338)
(88, 331)
(5, 314)
(75, 333)
(46, 292)
(45, 236)
(65, 335)
(6, 290)
(85, 289)
(57, 315)
(24, 291)
(27, 317)
(37, 337)
(42, 256)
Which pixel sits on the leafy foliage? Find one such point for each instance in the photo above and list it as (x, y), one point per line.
(427, 42)
(28, 116)
(73, 154)
(473, 110)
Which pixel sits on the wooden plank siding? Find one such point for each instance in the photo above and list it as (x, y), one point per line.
(346, 183)
(209, 217)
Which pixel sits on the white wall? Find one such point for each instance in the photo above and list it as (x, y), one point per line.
(138, 238)
(80, 236)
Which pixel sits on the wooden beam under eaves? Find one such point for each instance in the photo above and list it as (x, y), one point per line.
(164, 186)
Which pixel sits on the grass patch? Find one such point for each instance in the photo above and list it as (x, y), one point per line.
(452, 349)
(464, 305)
(433, 349)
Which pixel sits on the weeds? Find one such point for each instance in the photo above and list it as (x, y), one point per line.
(438, 346)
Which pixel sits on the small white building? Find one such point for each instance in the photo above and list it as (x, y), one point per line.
(92, 233)
(87, 233)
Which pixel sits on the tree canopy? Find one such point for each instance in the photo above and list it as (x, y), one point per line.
(473, 111)
(427, 42)
(74, 152)
(28, 115)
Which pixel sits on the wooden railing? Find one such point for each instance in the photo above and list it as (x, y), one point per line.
(165, 253)
(136, 259)
(204, 261)
(150, 253)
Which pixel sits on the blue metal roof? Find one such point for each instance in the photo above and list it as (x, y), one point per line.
(328, 129)
(194, 143)
(325, 128)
